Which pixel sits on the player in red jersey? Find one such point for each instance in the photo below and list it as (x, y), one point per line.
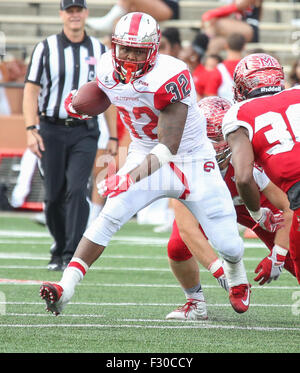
(188, 233)
(263, 127)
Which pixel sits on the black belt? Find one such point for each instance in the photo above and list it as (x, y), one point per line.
(69, 122)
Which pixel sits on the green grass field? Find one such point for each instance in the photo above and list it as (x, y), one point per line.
(121, 304)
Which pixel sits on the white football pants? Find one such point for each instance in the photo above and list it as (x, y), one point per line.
(198, 184)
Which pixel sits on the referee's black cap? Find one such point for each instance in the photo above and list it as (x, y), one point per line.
(65, 4)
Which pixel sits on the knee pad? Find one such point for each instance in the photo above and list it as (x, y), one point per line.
(177, 250)
(102, 229)
(232, 250)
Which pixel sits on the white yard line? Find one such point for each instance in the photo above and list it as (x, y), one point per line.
(26, 256)
(140, 304)
(132, 239)
(137, 269)
(126, 239)
(25, 242)
(30, 234)
(7, 281)
(199, 325)
(106, 268)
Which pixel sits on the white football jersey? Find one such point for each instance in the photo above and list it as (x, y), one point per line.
(139, 103)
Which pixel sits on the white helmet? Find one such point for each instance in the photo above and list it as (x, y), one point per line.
(138, 30)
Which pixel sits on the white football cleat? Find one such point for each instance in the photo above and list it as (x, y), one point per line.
(54, 296)
(193, 309)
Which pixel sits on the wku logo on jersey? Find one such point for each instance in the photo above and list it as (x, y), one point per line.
(208, 166)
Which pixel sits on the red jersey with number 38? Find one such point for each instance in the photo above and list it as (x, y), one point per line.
(140, 102)
(273, 123)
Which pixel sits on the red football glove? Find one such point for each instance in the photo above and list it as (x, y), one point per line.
(114, 185)
(69, 107)
(269, 221)
(270, 267)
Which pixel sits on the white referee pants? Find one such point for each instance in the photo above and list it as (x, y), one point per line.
(198, 184)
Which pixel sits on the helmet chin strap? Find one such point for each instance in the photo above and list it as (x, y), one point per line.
(129, 69)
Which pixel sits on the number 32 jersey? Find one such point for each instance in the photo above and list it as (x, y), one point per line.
(273, 124)
(140, 102)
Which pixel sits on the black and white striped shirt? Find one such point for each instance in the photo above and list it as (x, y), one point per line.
(59, 66)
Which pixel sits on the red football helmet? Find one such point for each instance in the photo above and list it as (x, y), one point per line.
(214, 108)
(256, 75)
(138, 30)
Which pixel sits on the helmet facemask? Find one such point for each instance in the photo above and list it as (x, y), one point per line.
(130, 70)
(222, 149)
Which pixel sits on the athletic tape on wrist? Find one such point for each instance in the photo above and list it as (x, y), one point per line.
(162, 152)
(280, 250)
(256, 215)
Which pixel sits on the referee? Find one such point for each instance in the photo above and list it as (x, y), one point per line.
(66, 147)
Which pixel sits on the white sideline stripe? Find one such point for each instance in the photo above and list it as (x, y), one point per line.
(133, 304)
(149, 269)
(21, 242)
(204, 323)
(30, 234)
(7, 281)
(135, 269)
(134, 239)
(248, 245)
(26, 256)
(200, 325)
(46, 314)
(131, 239)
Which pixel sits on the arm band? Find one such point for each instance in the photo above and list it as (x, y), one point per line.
(255, 215)
(114, 138)
(279, 250)
(162, 152)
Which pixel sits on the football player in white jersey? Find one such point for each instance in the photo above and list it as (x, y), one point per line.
(169, 156)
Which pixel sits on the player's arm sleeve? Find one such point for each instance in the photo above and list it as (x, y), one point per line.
(260, 178)
(231, 123)
(36, 66)
(176, 89)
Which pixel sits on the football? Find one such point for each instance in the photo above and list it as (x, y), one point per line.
(90, 100)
